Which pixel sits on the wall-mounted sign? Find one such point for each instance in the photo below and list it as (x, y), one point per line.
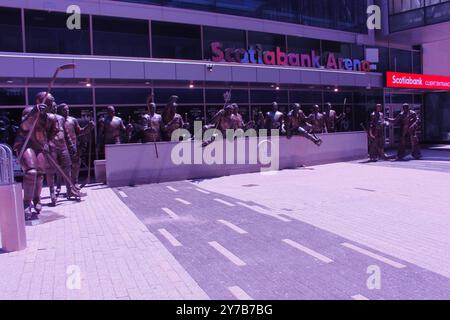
(256, 55)
(417, 81)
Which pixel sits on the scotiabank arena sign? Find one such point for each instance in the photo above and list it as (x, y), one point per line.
(256, 55)
(417, 81)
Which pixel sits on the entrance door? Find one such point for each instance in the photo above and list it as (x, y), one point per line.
(392, 133)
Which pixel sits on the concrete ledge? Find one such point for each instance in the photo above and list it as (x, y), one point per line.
(132, 164)
(100, 171)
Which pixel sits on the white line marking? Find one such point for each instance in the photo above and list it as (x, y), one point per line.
(172, 214)
(166, 234)
(374, 255)
(123, 194)
(239, 293)
(307, 251)
(224, 202)
(172, 189)
(203, 191)
(359, 297)
(263, 211)
(182, 201)
(233, 227)
(227, 254)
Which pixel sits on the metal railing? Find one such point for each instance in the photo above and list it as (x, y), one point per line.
(6, 165)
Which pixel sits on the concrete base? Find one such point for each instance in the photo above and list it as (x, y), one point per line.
(100, 171)
(12, 219)
(132, 164)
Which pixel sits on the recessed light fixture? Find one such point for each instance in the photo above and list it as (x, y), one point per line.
(9, 81)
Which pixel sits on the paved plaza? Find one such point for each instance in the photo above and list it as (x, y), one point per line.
(353, 230)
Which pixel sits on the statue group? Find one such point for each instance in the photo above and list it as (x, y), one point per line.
(409, 123)
(47, 141)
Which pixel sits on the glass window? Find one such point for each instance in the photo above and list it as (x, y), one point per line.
(228, 38)
(317, 13)
(71, 96)
(47, 32)
(176, 41)
(305, 97)
(11, 27)
(302, 45)
(121, 37)
(121, 96)
(215, 96)
(10, 119)
(185, 96)
(348, 15)
(12, 97)
(401, 60)
(417, 62)
(437, 117)
(340, 50)
(268, 41)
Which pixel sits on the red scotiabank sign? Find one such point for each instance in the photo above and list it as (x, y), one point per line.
(417, 81)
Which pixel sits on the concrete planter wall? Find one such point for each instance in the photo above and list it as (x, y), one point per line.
(132, 164)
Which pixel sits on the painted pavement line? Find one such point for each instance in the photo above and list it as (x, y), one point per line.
(227, 254)
(172, 214)
(263, 211)
(306, 250)
(224, 202)
(239, 293)
(182, 201)
(169, 237)
(171, 188)
(233, 226)
(203, 191)
(374, 255)
(122, 194)
(359, 297)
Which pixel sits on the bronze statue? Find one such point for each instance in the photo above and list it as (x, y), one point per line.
(275, 119)
(296, 123)
(111, 127)
(73, 132)
(331, 118)
(238, 120)
(317, 121)
(171, 120)
(32, 141)
(60, 152)
(152, 123)
(409, 121)
(376, 134)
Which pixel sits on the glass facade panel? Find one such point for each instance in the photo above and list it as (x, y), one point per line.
(176, 41)
(121, 96)
(11, 30)
(348, 15)
(437, 117)
(302, 45)
(121, 37)
(71, 96)
(12, 96)
(401, 61)
(268, 41)
(228, 38)
(47, 32)
(215, 96)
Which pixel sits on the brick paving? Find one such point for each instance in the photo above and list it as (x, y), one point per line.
(117, 256)
(310, 233)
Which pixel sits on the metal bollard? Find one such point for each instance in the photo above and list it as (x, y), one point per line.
(12, 220)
